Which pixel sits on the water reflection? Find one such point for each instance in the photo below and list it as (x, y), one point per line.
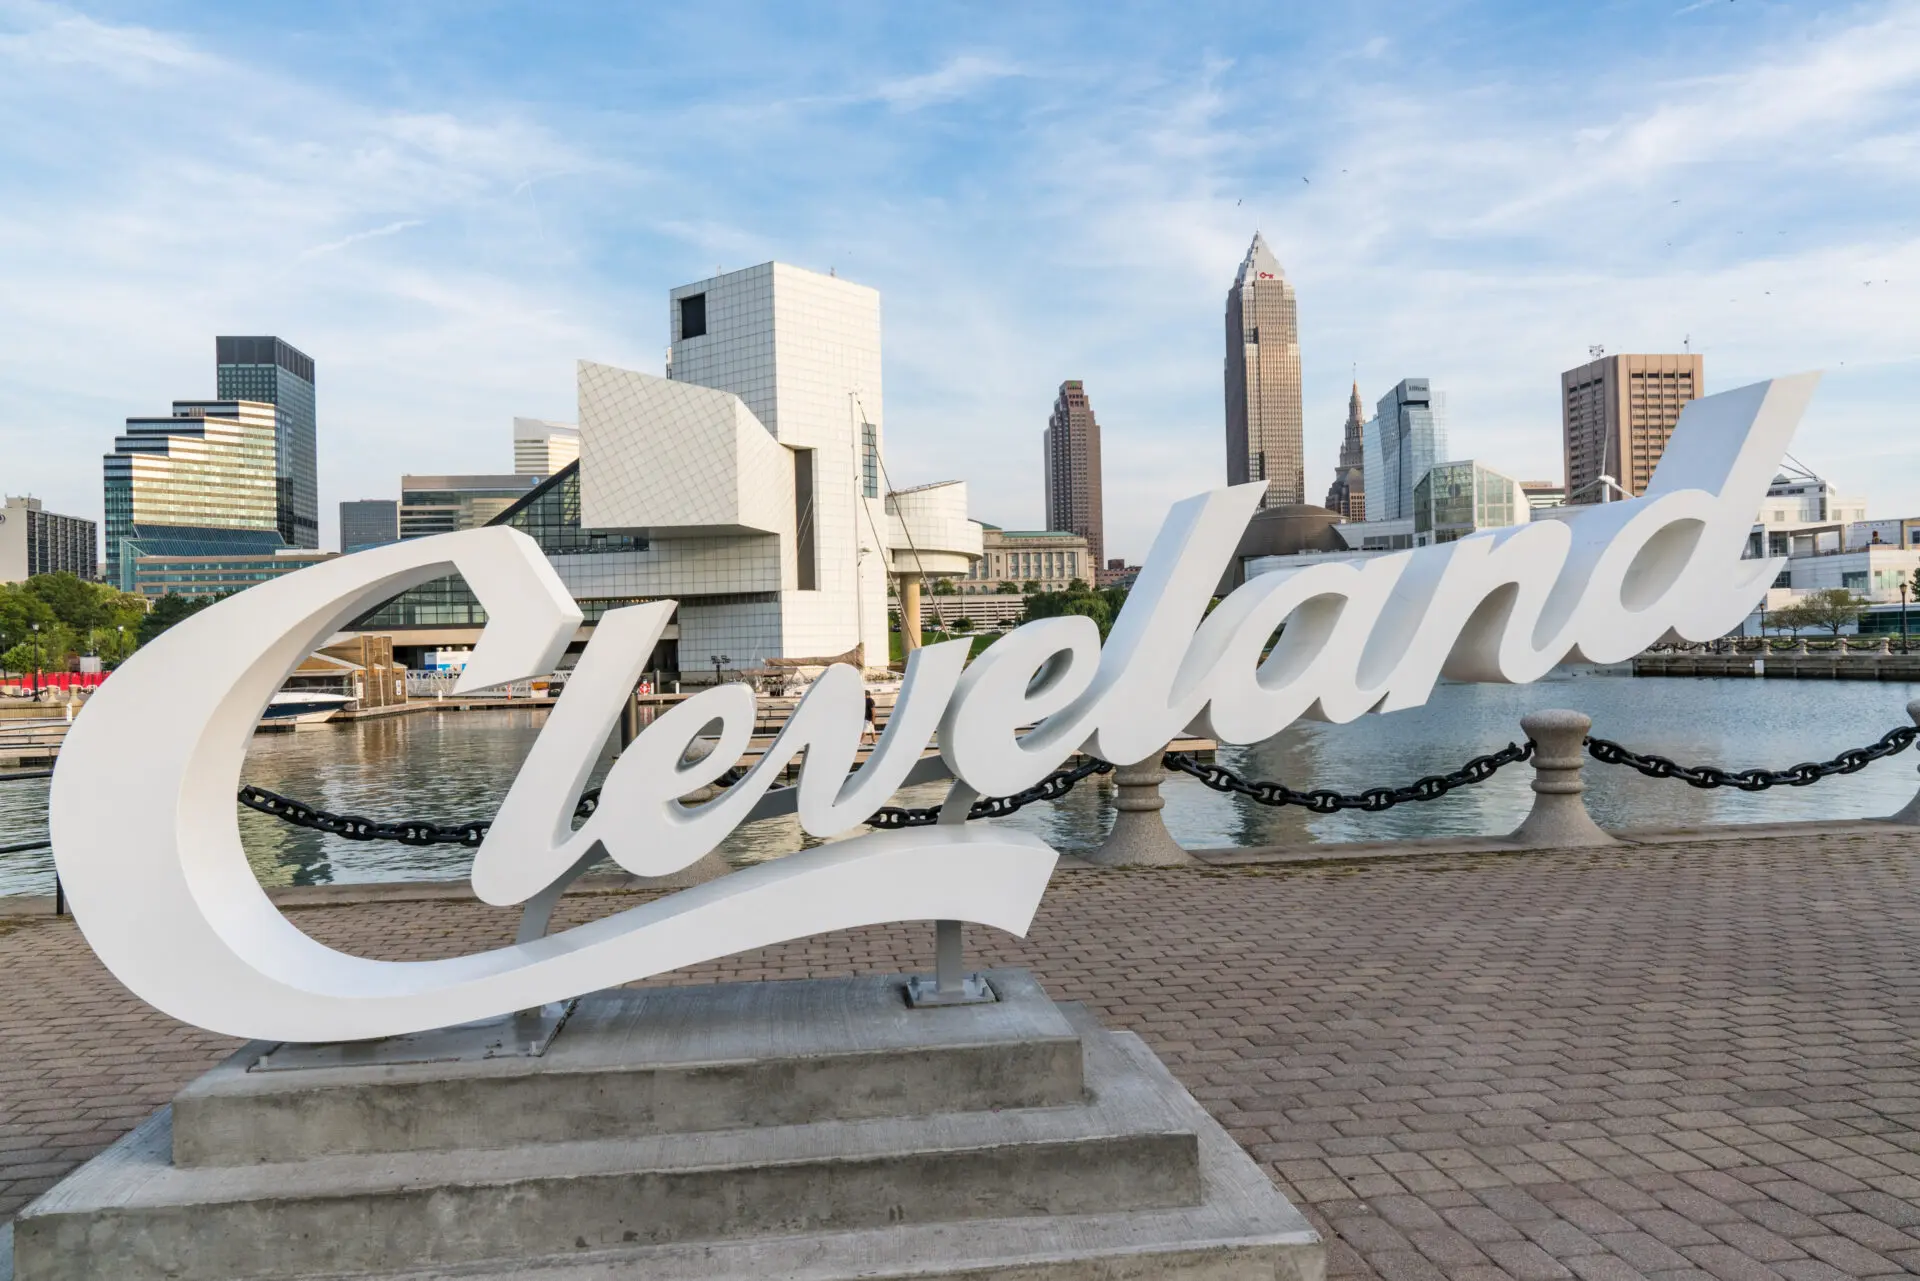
(451, 766)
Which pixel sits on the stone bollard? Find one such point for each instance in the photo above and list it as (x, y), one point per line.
(1910, 812)
(1559, 819)
(1139, 837)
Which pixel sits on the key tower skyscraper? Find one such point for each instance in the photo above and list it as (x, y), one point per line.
(1072, 446)
(1263, 380)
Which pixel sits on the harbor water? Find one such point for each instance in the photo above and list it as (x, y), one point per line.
(455, 766)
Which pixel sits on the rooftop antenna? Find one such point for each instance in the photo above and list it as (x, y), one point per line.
(1686, 344)
(1595, 351)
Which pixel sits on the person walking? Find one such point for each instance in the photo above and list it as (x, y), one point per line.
(867, 733)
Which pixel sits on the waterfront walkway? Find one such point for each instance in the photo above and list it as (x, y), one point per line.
(1674, 1060)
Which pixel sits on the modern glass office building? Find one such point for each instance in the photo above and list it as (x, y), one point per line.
(370, 522)
(1455, 499)
(199, 481)
(1404, 440)
(447, 504)
(550, 515)
(273, 372)
(219, 574)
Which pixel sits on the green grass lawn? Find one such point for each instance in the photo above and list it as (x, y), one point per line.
(980, 641)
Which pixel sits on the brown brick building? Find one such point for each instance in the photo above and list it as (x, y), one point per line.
(1616, 413)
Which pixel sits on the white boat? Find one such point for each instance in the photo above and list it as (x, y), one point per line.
(298, 709)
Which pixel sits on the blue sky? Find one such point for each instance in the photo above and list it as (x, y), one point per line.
(447, 204)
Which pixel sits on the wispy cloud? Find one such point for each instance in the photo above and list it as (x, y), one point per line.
(1454, 215)
(959, 77)
(391, 229)
(47, 35)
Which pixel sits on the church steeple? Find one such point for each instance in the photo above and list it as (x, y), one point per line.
(1347, 494)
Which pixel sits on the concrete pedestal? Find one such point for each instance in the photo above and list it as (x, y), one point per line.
(818, 1129)
(1139, 837)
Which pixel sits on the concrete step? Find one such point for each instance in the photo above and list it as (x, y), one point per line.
(629, 1063)
(1242, 1230)
(132, 1215)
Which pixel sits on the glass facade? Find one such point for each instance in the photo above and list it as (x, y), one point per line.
(196, 575)
(447, 504)
(269, 370)
(183, 541)
(1454, 499)
(1404, 440)
(550, 515)
(370, 522)
(207, 467)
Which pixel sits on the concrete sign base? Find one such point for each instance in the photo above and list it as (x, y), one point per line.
(812, 1129)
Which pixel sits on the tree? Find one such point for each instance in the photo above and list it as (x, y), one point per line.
(1834, 609)
(1101, 606)
(1913, 587)
(168, 610)
(963, 625)
(943, 587)
(1013, 589)
(1030, 587)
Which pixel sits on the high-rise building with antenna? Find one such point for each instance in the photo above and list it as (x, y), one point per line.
(1072, 448)
(1263, 380)
(1616, 413)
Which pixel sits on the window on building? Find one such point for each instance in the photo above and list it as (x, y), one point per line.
(1854, 580)
(808, 572)
(870, 460)
(693, 316)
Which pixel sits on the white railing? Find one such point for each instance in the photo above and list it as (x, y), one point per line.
(441, 685)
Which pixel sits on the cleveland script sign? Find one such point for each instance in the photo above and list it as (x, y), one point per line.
(147, 840)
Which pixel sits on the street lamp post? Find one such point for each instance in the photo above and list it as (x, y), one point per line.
(36, 662)
(1903, 618)
(120, 645)
(717, 660)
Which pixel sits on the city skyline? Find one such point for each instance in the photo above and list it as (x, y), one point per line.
(447, 245)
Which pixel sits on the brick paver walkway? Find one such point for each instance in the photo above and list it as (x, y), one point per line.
(1673, 1062)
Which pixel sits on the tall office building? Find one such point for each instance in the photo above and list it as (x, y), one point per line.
(541, 448)
(1404, 440)
(1348, 493)
(1072, 446)
(34, 541)
(1263, 380)
(270, 371)
(201, 481)
(370, 522)
(1616, 413)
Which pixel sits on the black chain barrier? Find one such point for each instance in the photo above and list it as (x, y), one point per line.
(426, 832)
(1373, 800)
(1050, 788)
(1218, 777)
(1608, 752)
